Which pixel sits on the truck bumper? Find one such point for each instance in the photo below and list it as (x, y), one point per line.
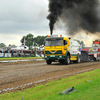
(53, 57)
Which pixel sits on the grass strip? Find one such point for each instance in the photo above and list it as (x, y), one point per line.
(20, 58)
(49, 91)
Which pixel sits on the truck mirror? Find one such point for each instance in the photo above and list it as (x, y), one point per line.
(44, 43)
(65, 42)
(24, 47)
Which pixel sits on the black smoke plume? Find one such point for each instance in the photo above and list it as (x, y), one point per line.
(76, 14)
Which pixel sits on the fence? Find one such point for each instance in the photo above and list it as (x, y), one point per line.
(20, 53)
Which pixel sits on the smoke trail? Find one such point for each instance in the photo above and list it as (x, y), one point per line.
(76, 14)
(55, 9)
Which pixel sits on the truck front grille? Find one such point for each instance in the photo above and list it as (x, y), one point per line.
(53, 52)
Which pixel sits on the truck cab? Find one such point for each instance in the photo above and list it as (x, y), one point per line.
(61, 49)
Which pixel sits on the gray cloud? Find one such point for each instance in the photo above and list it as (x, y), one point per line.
(23, 15)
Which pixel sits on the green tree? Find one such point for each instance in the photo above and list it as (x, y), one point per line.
(80, 42)
(12, 45)
(39, 40)
(2, 45)
(28, 40)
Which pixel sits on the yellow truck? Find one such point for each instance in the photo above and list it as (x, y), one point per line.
(61, 49)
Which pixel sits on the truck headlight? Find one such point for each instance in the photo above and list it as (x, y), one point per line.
(45, 56)
(60, 56)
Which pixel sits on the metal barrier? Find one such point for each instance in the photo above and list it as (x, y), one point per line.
(20, 55)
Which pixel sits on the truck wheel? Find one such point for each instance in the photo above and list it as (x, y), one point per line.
(78, 59)
(94, 59)
(67, 60)
(89, 58)
(48, 62)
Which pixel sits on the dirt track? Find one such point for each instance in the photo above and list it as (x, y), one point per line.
(15, 74)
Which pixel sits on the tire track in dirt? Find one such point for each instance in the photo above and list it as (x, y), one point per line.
(13, 75)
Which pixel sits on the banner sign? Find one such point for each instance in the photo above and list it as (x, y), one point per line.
(22, 54)
(7, 54)
(1, 54)
(28, 54)
(15, 54)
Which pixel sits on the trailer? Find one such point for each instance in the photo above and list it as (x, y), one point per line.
(92, 53)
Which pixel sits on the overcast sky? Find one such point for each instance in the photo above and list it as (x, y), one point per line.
(21, 17)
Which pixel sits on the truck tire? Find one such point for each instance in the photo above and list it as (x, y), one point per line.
(94, 59)
(89, 58)
(48, 62)
(67, 60)
(78, 59)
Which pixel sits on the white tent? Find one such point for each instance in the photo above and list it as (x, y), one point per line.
(20, 48)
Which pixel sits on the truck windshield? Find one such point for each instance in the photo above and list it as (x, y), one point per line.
(54, 42)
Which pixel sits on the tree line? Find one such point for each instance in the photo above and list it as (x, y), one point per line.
(29, 39)
(38, 41)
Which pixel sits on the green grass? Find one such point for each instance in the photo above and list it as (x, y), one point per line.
(20, 58)
(85, 90)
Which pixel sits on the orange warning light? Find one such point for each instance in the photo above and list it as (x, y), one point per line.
(60, 35)
(47, 35)
(96, 42)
